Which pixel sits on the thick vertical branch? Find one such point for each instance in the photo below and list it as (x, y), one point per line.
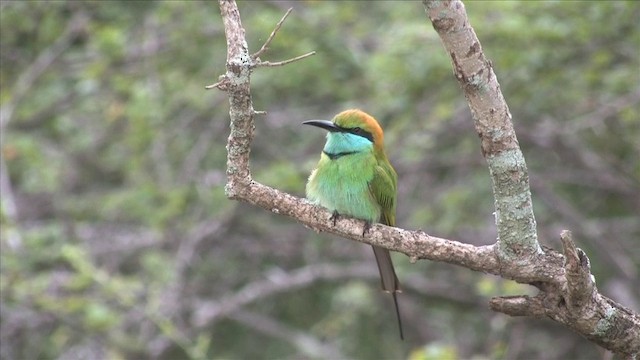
(237, 81)
(571, 298)
(517, 237)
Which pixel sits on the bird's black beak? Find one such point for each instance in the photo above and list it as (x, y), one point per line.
(325, 124)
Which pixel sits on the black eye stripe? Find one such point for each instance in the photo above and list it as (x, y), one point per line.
(361, 132)
(357, 131)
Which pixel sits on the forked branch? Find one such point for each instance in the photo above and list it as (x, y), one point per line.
(567, 293)
(253, 61)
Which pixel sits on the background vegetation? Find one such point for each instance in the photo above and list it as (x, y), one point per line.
(117, 239)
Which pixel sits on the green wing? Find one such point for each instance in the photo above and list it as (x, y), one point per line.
(383, 187)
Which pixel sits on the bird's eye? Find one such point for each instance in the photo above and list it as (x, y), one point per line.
(356, 129)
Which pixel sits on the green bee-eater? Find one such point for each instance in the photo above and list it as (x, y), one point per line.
(354, 178)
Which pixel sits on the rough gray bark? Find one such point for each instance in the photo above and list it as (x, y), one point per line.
(517, 237)
(567, 294)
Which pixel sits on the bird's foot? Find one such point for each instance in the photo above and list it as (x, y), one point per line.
(334, 217)
(366, 227)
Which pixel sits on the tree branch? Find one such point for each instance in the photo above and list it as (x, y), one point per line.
(284, 62)
(304, 342)
(266, 44)
(517, 255)
(517, 237)
(276, 282)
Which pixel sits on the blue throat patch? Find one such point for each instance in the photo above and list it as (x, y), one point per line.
(340, 144)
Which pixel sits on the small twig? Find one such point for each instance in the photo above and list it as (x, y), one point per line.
(265, 46)
(209, 87)
(284, 62)
(221, 84)
(255, 62)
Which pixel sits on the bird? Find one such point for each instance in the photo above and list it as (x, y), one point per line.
(355, 178)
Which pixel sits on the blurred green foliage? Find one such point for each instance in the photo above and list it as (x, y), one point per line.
(116, 232)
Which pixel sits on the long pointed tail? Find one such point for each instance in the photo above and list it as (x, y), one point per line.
(395, 302)
(389, 279)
